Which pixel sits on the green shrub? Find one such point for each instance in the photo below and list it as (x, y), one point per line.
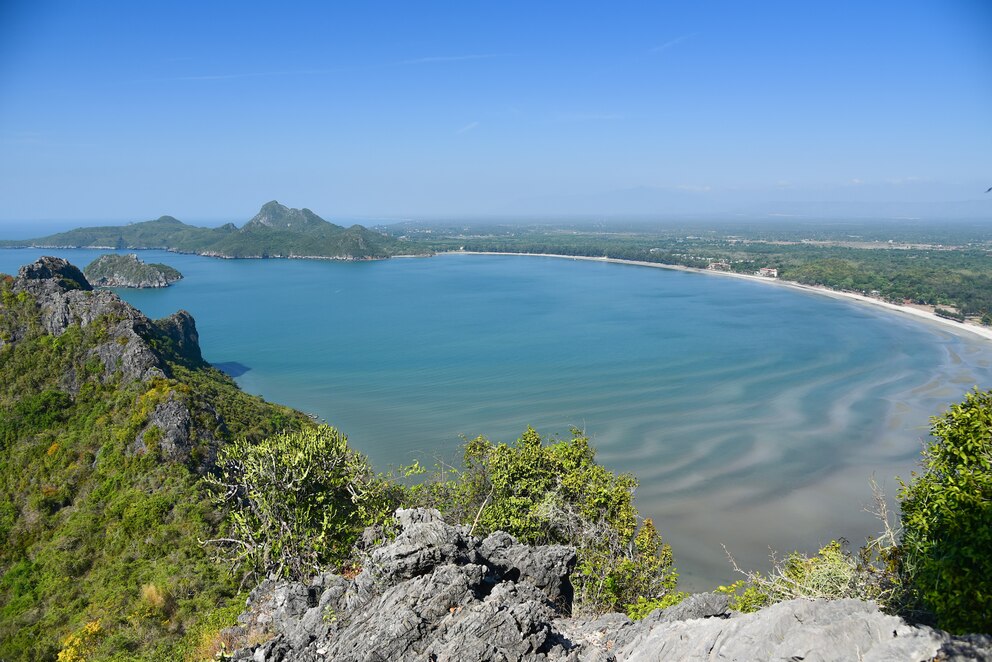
(298, 501)
(947, 519)
(832, 573)
(555, 493)
(645, 606)
(745, 596)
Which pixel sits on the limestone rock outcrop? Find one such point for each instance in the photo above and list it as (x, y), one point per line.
(129, 346)
(435, 592)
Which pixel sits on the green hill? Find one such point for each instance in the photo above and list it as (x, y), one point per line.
(113, 270)
(108, 420)
(276, 231)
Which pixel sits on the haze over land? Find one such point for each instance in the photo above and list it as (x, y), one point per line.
(811, 181)
(123, 111)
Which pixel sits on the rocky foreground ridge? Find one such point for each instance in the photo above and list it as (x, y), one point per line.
(438, 593)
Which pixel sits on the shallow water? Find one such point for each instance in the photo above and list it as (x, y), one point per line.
(753, 415)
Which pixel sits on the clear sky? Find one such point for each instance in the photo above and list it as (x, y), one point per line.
(205, 110)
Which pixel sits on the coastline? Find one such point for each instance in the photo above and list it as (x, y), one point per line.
(921, 314)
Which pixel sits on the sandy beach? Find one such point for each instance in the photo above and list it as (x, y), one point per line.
(922, 313)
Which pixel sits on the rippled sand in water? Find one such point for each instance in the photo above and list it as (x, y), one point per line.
(753, 416)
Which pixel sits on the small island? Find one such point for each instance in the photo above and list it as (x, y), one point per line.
(113, 270)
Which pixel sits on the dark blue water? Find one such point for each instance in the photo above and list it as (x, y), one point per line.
(753, 415)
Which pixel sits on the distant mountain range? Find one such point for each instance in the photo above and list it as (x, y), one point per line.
(275, 231)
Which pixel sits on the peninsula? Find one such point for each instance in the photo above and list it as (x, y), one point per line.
(113, 270)
(275, 231)
(940, 271)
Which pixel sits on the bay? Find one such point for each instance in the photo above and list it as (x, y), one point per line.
(753, 415)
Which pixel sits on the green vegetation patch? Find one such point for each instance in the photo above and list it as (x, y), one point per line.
(556, 493)
(947, 519)
(101, 554)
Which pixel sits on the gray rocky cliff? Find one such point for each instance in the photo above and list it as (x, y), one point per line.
(64, 298)
(437, 593)
(129, 347)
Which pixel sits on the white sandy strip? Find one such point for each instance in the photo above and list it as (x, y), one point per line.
(959, 328)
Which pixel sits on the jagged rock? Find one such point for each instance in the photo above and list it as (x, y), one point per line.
(55, 268)
(966, 647)
(131, 347)
(180, 329)
(64, 298)
(170, 424)
(546, 568)
(793, 630)
(430, 594)
(438, 593)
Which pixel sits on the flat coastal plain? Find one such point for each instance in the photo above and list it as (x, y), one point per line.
(922, 312)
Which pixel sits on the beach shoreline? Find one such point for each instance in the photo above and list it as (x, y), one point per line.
(919, 313)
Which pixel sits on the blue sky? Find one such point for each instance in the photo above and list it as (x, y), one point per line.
(129, 110)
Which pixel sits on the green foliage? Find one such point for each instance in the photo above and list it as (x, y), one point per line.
(949, 314)
(937, 264)
(113, 267)
(298, 502)
(745, 597)
(315, 237)
(91, 529)
(832, 573)
(947, 519)
(645, 606)
(204, 640)
(555, 493)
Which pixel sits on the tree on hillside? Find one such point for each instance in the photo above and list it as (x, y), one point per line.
(947, 519)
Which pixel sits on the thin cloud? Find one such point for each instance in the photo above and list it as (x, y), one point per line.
(451, 58)
(319, 72)
(591, 117)
(254, 74)
(672, 43)
(468, 127)
(30, 138)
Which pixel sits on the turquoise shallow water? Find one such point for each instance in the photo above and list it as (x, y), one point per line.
(753, 415)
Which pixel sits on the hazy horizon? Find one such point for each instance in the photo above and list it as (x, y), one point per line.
(125, 112)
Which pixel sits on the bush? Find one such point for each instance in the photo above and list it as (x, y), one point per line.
(946, 544)
(556, 494)
(298, 501)
(833, 573)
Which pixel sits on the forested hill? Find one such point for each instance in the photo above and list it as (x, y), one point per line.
(107, 422)
(276, 231)
(113, 270)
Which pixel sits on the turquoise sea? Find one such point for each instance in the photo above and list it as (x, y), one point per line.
(753, 415)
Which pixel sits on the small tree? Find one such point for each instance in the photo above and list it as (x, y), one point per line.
(947, 519)
(555, 493)
(297, 502)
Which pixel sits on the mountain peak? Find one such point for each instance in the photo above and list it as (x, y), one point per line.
(280, 217)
